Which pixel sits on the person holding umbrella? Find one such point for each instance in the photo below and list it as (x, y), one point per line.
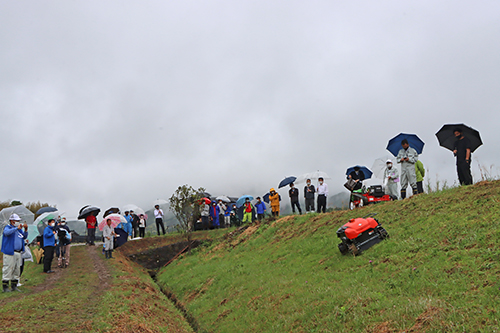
(247, 211)
(294, 198)
(49, 243)
(205, 213)
(322, 190)
(358, 176)
(91, 224)
(214, 214)
(462, 151)
(391, 176)
(407, 156)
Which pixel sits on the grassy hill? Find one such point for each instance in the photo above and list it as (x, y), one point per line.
(438, 272)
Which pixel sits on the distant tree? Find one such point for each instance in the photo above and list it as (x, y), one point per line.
(184, 204)
(35, 206)
(16, 203)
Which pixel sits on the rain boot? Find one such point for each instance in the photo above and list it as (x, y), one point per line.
(6, 286)
(403, 194)
(13, 285)
(106, 253)
(111, 254)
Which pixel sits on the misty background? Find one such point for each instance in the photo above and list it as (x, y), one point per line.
(118, 102)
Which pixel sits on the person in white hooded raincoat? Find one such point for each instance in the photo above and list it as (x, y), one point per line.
(407, 156)
(391, 179)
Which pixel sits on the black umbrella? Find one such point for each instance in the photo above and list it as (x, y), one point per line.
(119, 241)
(446, 136)
(112, 210)
(88, 210)
(45, 210)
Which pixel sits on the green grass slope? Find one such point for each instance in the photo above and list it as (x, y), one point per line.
(438, 272)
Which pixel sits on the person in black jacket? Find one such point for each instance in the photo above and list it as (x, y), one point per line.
(135, 224)
(64, 241)
(309, 191)
(358, 176)
(463, 154)
(294, 198)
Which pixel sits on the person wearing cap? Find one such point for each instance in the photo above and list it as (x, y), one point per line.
(275, 199)
(12, 247)
(407, 157)
(261, 209)
(391, 179)
(420, 173)
(309, 191)
(159, 219)
(49, 244)
(322, 190)
(463, 154)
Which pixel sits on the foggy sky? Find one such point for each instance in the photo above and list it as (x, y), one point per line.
(117, 102)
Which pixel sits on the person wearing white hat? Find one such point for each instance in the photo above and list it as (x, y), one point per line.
(12, 247)
(391, 179)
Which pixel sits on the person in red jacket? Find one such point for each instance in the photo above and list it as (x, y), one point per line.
(91, 224)
(247, 211)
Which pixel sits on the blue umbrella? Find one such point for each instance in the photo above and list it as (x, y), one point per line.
(45, 210)
(287, 181)
(366, 172)
(242, 199)
(414, 141)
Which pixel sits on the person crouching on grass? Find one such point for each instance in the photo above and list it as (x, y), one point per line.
(108, 233)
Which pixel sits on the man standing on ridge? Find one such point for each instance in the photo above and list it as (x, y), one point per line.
(407, 156)
(159, 219)
(309, 191)
(322, 190)
(294, 198)
(463, 154)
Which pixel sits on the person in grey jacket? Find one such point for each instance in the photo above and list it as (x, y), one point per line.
(407, 156)
(391, 179)
(108, 233)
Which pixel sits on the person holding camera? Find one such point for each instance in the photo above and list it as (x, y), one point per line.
(12, 247)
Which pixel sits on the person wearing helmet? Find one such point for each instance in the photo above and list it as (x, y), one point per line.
(391, 179)
(275, 199)
(407, 156)
(12, 247)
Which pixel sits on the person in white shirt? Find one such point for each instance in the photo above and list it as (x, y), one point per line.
(322, 190)
(159, 219)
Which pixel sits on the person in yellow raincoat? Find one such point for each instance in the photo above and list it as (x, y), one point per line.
(274, 198)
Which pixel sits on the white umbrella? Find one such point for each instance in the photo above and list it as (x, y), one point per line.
(137, 210)
(223, 198)
(379, 166)
(24, 213)
(315, 175)
(45, 217)
(160, 202)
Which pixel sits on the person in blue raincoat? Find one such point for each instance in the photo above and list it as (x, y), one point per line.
(214, 214)
(227, 216)
(127, 226)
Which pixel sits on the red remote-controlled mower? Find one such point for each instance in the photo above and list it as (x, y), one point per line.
(360, 234)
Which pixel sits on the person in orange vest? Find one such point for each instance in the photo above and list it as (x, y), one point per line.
(275, 199)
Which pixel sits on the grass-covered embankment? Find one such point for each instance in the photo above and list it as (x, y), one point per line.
(437, 273)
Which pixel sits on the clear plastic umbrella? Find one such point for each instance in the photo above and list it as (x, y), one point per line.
(379, 166)
(315, 175)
